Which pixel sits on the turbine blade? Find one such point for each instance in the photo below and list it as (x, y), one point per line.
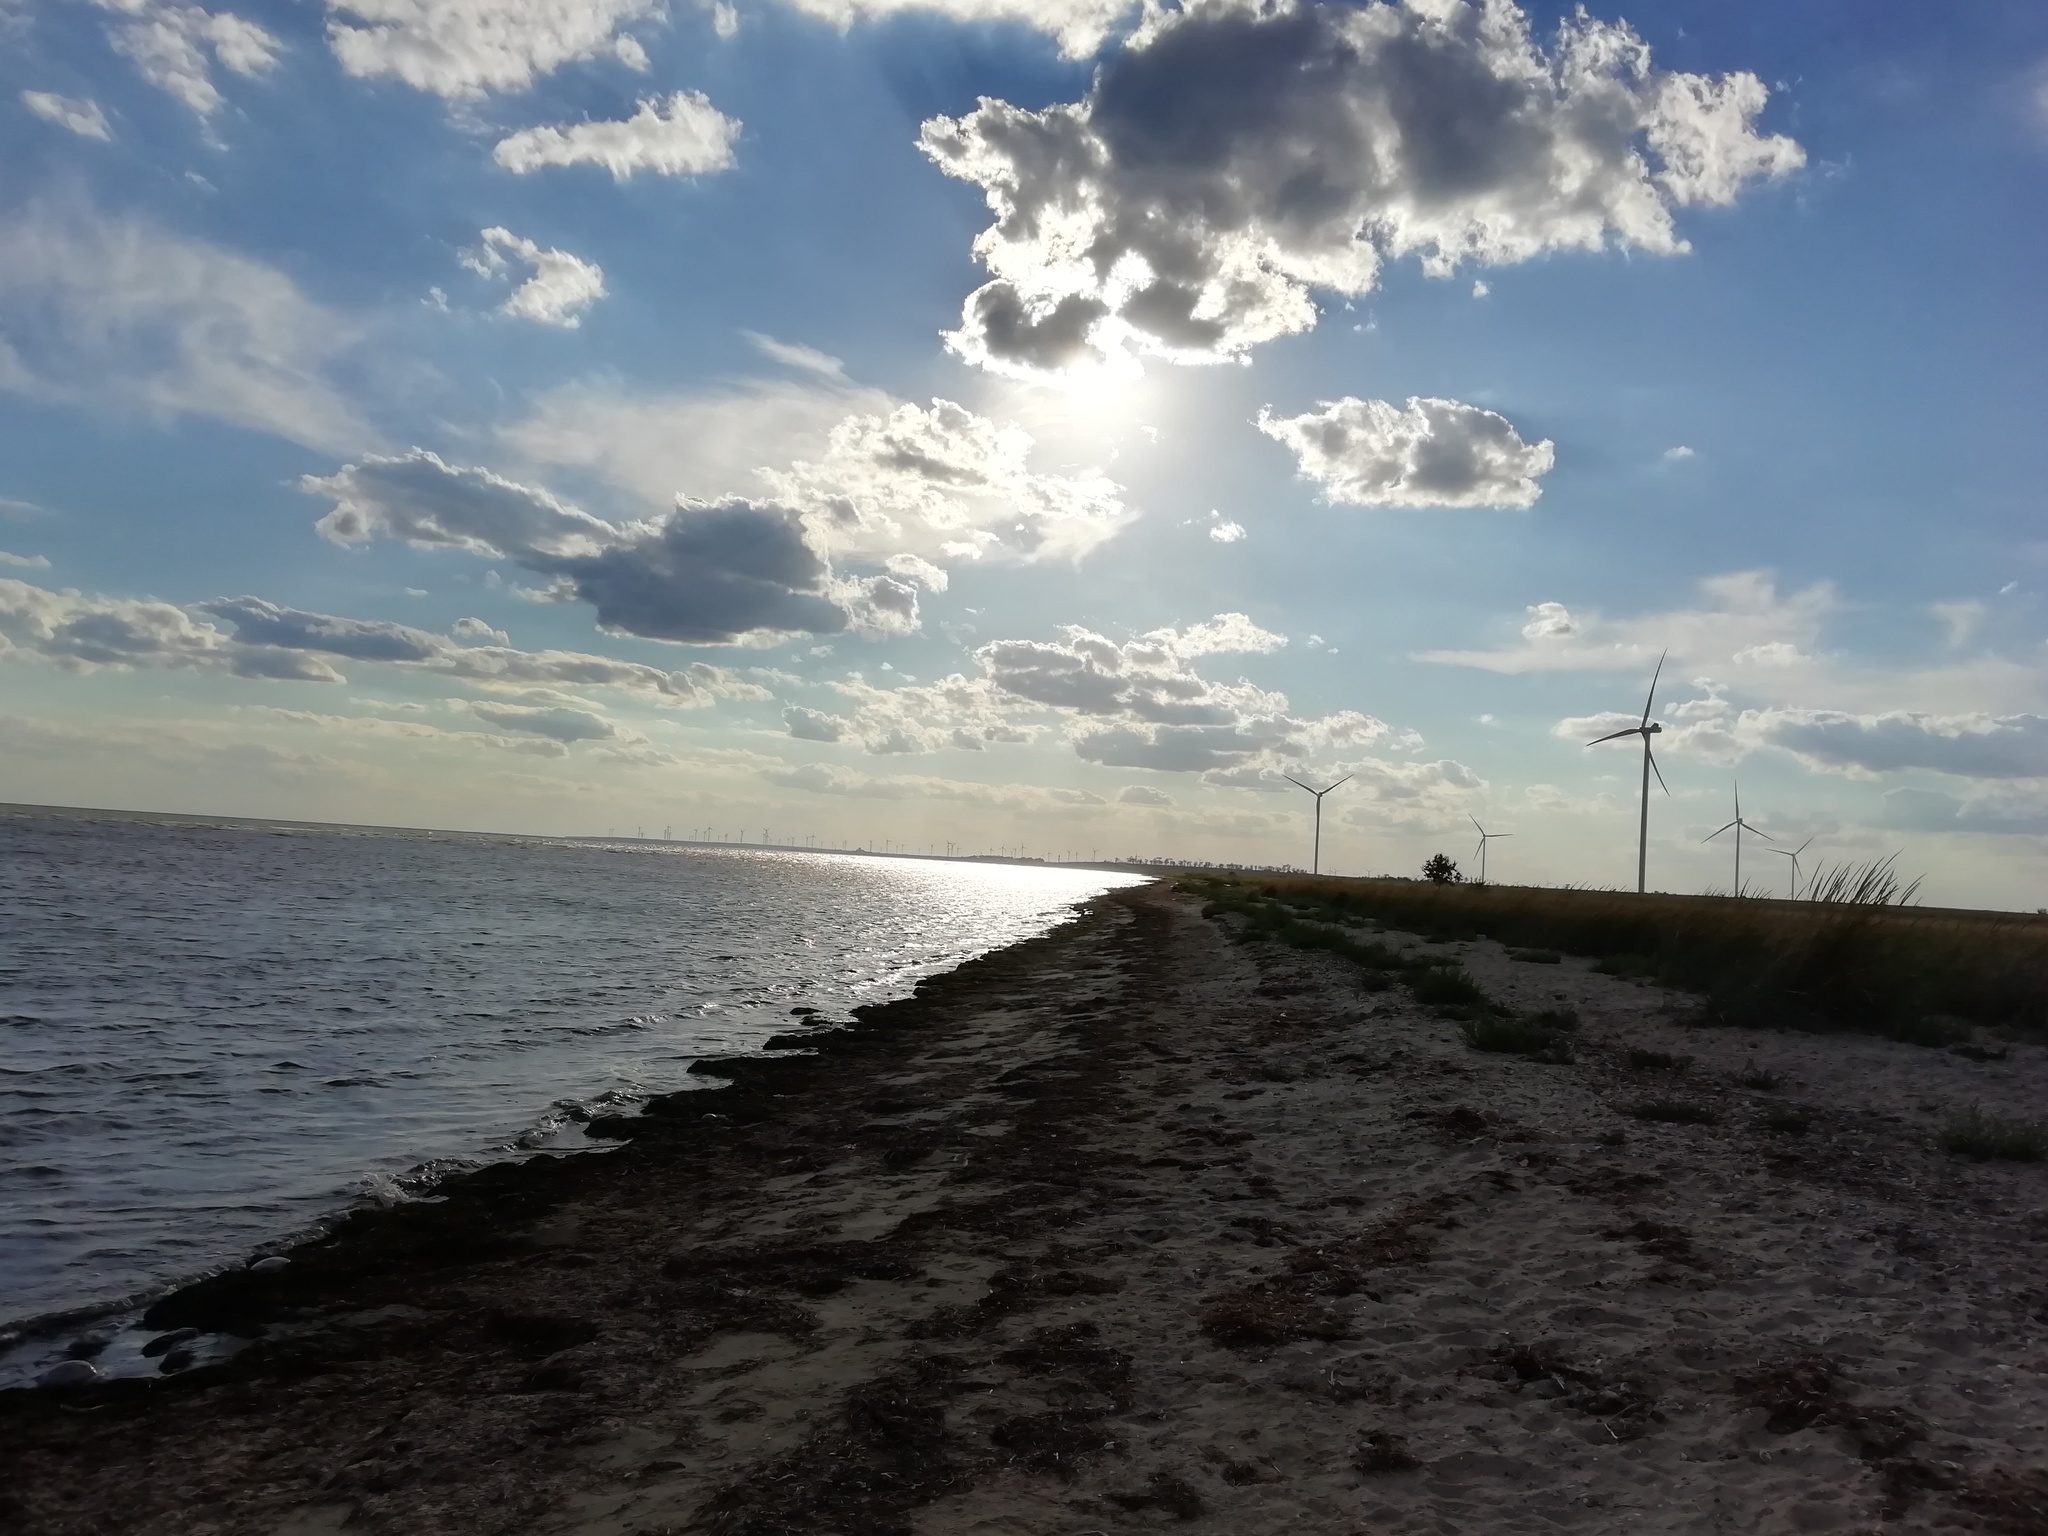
(1716, 833)
(1653, 766)
(1500, 834)
(1760, 833)
(1801, 848)
(1634, 730)
(1653, 688)
(1345, 780)
(1290, 778)
(1475, 822)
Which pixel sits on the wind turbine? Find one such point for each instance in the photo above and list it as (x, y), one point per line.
(1485, 837)
(1740, 826)
(1315, 866)
(1793, 855)
(1646, 730)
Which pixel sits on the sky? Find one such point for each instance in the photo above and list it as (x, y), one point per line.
(1045, 425)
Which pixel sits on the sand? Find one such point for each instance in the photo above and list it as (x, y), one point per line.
(1135, 1228)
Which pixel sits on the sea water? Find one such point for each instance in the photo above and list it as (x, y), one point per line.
(212, 1035)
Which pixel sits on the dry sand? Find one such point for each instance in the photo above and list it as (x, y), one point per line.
(1136, 1228)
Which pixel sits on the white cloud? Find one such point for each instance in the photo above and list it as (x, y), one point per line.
(1080, 26)
(554, 721)
(175, 47)
(1224, 531)
(25, 562)
(795, 355)
(1480, 288)
(830, 779)
(948, 485)
(118, 312)
(686, 136)
(80, 633)
(1144, 794)
(460, 49)
(1679, 453)
(1237, 154)
(1742, 621)
(558, 293)
(81, 115)
(1962, 619)
(1432, 453)
(812, 725)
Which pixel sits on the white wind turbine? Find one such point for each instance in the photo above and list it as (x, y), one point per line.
(1646, 730)
(1793, 855)
(1315, 866)
(1485, 837)
(1739, 827)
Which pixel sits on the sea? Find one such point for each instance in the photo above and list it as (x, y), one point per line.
(215, 1034)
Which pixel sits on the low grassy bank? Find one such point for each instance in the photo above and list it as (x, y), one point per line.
(1933, 977)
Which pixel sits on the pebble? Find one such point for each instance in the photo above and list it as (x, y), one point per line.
(70, 1373)
(270, 1265)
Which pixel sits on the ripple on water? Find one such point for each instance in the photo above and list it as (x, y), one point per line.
(218, 1034)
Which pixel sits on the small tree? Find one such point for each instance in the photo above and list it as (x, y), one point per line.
(1441, 870)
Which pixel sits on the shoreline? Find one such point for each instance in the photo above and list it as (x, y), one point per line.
(1130, 1225)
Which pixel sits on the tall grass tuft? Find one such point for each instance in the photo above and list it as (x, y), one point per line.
(1973, 1133)
(1851, 961)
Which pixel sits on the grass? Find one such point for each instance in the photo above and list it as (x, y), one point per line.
(1442, 987)
(1757, 1078)
(1974, 1133)
(1788, 1122)
(1672, 1112)
(1536, 956)
(1925, 975)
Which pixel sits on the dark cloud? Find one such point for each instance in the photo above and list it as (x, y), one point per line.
(1970, 746)
(1237, 154)
(263, 623)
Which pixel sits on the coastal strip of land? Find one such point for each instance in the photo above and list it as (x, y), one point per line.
(1135, 1227)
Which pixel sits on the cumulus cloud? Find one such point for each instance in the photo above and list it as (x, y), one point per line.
(1237, 154)
(707, 573)
(1224, 531)
(81, 632)
(2002, 810)
(117, 312)
(1741, 621)
(81, 115)
(175, 48)
(684, 136)
(461, 49)
(946, 484)
(1144, 794)
(1080, 26)
(562, 287)
(812, 725)
(1430, 453)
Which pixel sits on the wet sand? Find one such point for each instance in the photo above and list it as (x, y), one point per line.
(1132, 1228)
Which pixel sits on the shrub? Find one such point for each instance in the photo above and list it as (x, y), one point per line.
(1756, 1077)
(1512, 1037)
(1556, 1018)
(1536, 956)
(1441, 869)
(1974, 1133)
(1658, 1061)
(1673, 1112)
(1444, 986)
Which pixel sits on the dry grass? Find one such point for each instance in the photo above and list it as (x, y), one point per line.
(1926, 975)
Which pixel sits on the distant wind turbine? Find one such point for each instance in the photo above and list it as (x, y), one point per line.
(1315, 865)
(1739, 826)
(1646, 730)
(1793, 855)
(1485, 837)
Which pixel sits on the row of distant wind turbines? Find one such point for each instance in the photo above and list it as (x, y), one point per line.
(1645, 728)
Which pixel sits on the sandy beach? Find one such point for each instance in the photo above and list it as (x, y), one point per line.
(1133, 1227)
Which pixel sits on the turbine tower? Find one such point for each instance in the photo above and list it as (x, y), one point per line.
(1740, 826)
(1315, 863)
(1485, 837)
(1793, 855)
(1646, 730)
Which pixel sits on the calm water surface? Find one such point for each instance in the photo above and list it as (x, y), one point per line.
(212, 1035)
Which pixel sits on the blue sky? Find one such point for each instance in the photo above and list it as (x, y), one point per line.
(1082, 418)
